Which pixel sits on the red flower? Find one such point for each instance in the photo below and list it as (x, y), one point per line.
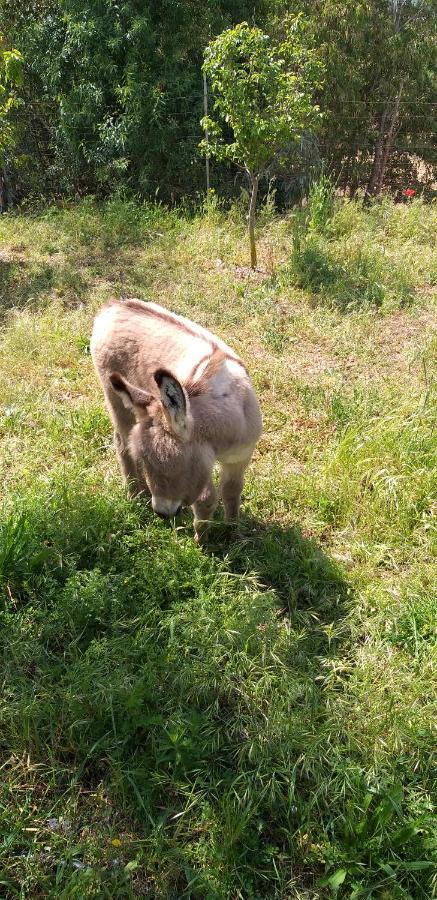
(409, 193)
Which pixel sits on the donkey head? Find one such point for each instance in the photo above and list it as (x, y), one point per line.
(176, 466)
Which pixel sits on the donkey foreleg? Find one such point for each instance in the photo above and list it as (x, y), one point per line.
(231, 486)
(203, 510)
(135, 484)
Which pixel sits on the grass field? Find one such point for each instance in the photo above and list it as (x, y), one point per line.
(253, 719)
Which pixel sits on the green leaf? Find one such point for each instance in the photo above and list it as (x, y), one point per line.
(416, 865)
(131, 866)
(404, 834)
(337, 879)
(13, 67)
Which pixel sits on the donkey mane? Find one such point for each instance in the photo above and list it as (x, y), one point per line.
(158, 313)
(196, 385)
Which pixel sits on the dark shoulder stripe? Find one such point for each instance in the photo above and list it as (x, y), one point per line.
(141, 307)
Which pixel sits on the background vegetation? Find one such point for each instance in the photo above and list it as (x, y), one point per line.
(254, 719)
(112, 94)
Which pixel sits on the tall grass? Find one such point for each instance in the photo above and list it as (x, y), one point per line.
(320, 203)
(349, 256)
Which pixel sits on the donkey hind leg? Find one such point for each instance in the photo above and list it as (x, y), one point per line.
(231, 486)
(203, 510)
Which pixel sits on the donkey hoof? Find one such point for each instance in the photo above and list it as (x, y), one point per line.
(201, 532)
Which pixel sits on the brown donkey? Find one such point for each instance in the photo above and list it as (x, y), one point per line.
(180, 399)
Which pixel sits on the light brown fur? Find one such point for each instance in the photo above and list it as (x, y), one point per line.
(180, 399)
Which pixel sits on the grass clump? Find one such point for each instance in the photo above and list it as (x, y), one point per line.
(352, 257)
(393, 465)
(252, 719)
(320, 203)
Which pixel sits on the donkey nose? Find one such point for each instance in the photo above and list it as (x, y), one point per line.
(164, 508)
(168, 515)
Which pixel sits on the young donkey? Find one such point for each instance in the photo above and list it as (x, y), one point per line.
(180, 399)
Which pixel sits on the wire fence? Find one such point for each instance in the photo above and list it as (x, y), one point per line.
(180, 114)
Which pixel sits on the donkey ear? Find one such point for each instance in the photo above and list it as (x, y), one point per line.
(176, 404)
(132, 397)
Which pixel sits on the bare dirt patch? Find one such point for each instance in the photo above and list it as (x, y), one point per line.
(10, 255)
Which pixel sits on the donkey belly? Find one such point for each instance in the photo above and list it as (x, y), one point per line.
(235, 455)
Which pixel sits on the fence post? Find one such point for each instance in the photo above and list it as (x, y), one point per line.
(205, 112)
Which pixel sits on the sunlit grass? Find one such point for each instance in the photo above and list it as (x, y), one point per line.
(252, 719)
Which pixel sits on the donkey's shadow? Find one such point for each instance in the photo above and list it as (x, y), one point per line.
(310, 587)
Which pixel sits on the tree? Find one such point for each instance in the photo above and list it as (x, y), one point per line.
(379, 91)
(11, 76)
(262, 100)
(113, 93)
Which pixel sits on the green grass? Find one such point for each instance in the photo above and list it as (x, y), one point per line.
(352, 257)
(253, 719)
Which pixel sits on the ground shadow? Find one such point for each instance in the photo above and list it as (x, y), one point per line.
(31, 285)
(104, 250)
(16, 285)
(191, 683)
(344, 286)
(304, 578)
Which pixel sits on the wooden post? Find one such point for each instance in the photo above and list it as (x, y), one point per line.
(254, 181)
(205, 112)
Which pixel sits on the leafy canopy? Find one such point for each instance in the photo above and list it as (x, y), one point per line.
(113, 93)
(263, 94)
(11, 76)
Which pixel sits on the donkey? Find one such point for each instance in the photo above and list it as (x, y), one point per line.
(180, 399)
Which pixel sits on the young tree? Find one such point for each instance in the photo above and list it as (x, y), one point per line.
(262, 100)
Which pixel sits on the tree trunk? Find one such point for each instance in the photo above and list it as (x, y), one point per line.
(391, 133)
(353, 187)
(254, 180)
(384, 145)
(377, 174)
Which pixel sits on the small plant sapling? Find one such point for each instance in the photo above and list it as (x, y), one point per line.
(263, 101)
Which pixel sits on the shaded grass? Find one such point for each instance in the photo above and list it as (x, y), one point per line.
(122, 677)
(253, 719)
(64, 251)
(134, 660)
(359, 257)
